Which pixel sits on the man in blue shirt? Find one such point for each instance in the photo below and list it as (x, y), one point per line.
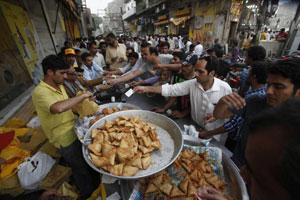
(91, 69)
(283, 83)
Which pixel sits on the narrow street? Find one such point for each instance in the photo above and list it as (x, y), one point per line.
(149, 99)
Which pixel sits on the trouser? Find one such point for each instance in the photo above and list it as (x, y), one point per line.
(230, 144)
(86, 179)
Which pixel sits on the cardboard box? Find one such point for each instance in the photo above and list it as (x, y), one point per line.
(11, 186)
(56, 177)
(36, 142)
(50, 149)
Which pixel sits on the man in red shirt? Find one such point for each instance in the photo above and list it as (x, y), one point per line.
(282, 35)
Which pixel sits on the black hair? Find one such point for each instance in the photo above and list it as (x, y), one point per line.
(219, 52)
(290, 69)
(92, 43)
(133, 55)
(260, 70)
(287, 117)
(101, 43)
(192, 46)
(211, 50)
(84, 55)
(212, 63)
(135, 38)
(165, 44)
(111, 35)
(79, 69)
(153, 50)
(145, 44)
(53, 63)
(62, 52)
(256, 53)
(82, 45)
(132, 49)
(179, 54)
(235, 42)
(77, 50)
(66, 42)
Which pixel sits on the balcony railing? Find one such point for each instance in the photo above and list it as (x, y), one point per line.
(129, 13)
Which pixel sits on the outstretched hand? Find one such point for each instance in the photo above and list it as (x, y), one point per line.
(140, 89)
(158, 110)
(234, 101)
(209, 193)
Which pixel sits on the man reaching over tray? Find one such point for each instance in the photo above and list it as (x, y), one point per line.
(54, 110)
(205, 91)
(283, 83)
(272, 155)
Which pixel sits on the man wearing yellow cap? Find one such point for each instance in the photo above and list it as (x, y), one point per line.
(70, 57)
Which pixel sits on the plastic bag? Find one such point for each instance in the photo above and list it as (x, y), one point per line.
(34, 169)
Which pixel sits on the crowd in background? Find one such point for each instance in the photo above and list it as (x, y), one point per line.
(259, 124)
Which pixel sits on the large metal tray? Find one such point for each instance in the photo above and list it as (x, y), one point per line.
(169, 135)
(236, 186)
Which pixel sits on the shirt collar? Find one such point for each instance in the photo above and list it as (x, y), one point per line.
(255, 90)
(44, 84)
(215, 87)
(84, 67)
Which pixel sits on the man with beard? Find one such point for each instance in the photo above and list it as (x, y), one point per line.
(69, 57)
(54, 110)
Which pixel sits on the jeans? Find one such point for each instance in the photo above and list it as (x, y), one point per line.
(86, 179)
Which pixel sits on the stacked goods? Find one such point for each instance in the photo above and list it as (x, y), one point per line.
(195, 172)
(108, 111)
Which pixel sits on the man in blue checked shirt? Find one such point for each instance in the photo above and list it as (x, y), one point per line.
(91, 69)
(256, 78)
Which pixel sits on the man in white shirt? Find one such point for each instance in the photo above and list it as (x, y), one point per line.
(172, 43)
(132, 58)
(145, 65)
(205, 92)
(135, 44)
(187, 44)
(115, 52)
(198, 49)
(91, 69)
(98, 58)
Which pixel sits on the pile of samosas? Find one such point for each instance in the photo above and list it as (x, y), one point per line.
(123, 146)
(198, 173)
(108, 111)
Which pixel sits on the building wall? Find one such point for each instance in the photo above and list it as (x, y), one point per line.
(285, 14)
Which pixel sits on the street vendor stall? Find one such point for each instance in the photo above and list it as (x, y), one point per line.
(131, 187)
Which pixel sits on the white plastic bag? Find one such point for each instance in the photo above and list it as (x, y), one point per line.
(34, 169)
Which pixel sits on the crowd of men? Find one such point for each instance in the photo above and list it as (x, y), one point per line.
(259, 124)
